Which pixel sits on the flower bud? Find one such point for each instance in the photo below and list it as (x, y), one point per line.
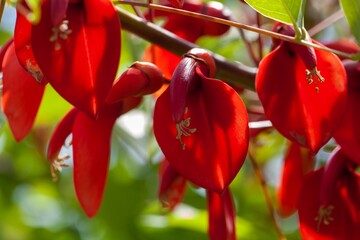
(140, 79)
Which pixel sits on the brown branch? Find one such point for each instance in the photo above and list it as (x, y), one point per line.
(232, 73)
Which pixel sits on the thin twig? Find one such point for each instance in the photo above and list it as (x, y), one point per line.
(232, 73)
(336, 16)
(267, 196)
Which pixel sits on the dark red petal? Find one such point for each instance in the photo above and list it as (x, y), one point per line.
(23, 48)
(298, 161)
(348, 133)
(339, 219)
(58, 10)
(81, 65)
(221, 216)
(21, 95)
(172, 186)
(296, 109)
(62, 131)
(177, 3)
(216, 123)
(91, 153)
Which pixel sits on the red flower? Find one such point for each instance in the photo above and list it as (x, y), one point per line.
(179, 25)
(348, 133)
(221, 216)
(172, 186)
(298, 161)
(91, 137)
(220, 206)
(201, 124)
(21, 94)
(77, 46)
(329, 207)
(303, 105)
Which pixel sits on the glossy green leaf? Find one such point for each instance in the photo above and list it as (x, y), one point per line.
(286, 11)
(351, 9)
(35, 13)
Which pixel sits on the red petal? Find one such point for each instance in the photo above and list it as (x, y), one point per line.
(348, 133)
(298, 162)
(80, 65)
(21, 95)
(295, 108)
(58, 10)
(3, 51)
(216, 147)
(340, 218)
(221, 216)
(23, 48)
(172, 186)
(62, 131)
(91, 151)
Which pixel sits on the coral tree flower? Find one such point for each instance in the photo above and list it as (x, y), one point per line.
(348, 133)
(220, 206)
(298, 161)
(91, 137)
(329, 207)
(201, 124)
(77, 46)
(179, 25)
(303, 91)
(21, 94)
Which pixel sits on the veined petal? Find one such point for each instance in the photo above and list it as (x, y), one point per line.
(21, 95)
(302, 112)
(80, 56)
(91, 152)
(221, 216)
(209, 146)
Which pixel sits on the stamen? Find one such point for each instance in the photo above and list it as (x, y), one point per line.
(314, 75)
(183, 129)
(57, 165)
(60, 32)
(323, 216)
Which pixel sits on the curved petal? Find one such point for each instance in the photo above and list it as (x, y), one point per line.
(23, 48)
(221, 216)
(348, 133)
(3, 51)
(80, 57)
(302, 112)
(62, 131)
(298, 162)
(91, 151)
(21, 95)
(172, 186)
(209, 146)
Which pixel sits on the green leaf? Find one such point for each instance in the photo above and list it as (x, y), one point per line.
(286, 11)
(34, 15)
(351, 9)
